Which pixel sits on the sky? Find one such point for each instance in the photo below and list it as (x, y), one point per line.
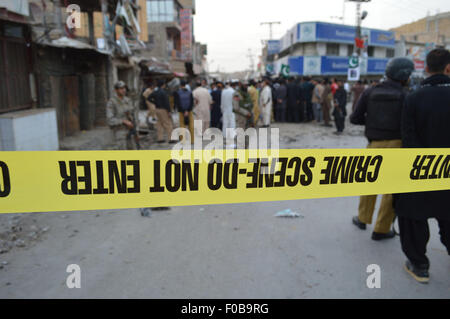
(231, 27)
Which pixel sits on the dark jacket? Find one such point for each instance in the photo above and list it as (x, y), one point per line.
(426, 124)
(341, 98)
(160, 99)
(294, 95)
(380, 109)
(183, 100)
(281, 95)
(307, 89)
(216, 112)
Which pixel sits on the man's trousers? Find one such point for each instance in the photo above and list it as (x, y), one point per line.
(164, 123)
(414, 236)
(386, 213)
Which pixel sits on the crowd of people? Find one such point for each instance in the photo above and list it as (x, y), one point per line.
(393, 116)
(243, 104)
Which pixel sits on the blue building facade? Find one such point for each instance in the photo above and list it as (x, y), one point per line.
(323, 49)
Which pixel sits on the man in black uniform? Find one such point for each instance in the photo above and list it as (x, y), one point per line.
(379, 108)
(426, 124)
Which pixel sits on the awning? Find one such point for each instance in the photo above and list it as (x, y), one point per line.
(65, 42)
(153, 65)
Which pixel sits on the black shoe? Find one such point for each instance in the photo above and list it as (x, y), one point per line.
(173, 142)
(419, 274)
(156, 209)
(381, 236)
(161, 142)
(358, 223)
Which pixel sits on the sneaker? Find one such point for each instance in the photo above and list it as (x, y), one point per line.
(381, 236)
(358, 223)
(419, 274)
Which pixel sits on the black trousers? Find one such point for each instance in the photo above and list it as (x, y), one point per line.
(339, 119)
(280, 115)
(414, 236)
(309, 111)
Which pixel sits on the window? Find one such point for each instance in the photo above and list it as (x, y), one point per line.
(390, 53)
(13, 31)
(151, 39)
(350, 49)
(161, 11)
(371, 51)
(333, 49)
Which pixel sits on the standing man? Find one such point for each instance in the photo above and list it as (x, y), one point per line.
(380, 109)
(243, 109)
(425, 124)
(357, 90)
(281, 97)
(164, 122)
(184, 103)
(327, 100)
(203, 103)
(216, 113)
(265, 102)
(254, 95)
(228, 118)
(317, 99)
(293, 101)
(307, 90)
(340, 105)
(121, 117)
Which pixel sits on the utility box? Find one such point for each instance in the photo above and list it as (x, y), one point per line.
(29, 130)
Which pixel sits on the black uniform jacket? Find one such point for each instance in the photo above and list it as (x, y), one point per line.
(426, 124)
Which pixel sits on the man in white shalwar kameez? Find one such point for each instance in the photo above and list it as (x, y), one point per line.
(265, 103)
(228, 118)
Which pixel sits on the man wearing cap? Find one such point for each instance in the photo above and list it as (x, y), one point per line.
(425, 124)
(120, 116)
(164, 122)
(380, 109)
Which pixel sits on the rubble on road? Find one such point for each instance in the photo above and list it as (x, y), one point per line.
(19, 231)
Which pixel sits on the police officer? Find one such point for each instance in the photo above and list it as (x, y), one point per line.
(379, 109)
(425, 124)
(120, 116)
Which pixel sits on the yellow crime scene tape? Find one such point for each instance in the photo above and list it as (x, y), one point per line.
(93, 180)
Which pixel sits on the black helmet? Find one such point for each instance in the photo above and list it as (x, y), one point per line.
(399, 69)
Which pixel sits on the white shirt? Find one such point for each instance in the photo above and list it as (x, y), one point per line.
(226, 104)
(266, 97)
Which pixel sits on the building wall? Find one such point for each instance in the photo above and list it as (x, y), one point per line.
(430, 29)
(98, 24)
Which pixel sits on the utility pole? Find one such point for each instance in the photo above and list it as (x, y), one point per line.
(359, 18)
(270, 24)
(355, 61)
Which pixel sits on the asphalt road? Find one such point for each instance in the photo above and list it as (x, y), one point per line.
(223, 251)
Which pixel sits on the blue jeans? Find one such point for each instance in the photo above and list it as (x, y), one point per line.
(318, 115)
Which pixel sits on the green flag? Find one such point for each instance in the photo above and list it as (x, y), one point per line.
(285, 70)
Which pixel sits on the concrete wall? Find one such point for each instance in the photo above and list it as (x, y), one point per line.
(31, 130)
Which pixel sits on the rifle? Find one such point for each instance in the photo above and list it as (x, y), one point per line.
(133, 132)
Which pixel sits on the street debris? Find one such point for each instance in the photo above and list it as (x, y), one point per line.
(289, 214)
(146, 212)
